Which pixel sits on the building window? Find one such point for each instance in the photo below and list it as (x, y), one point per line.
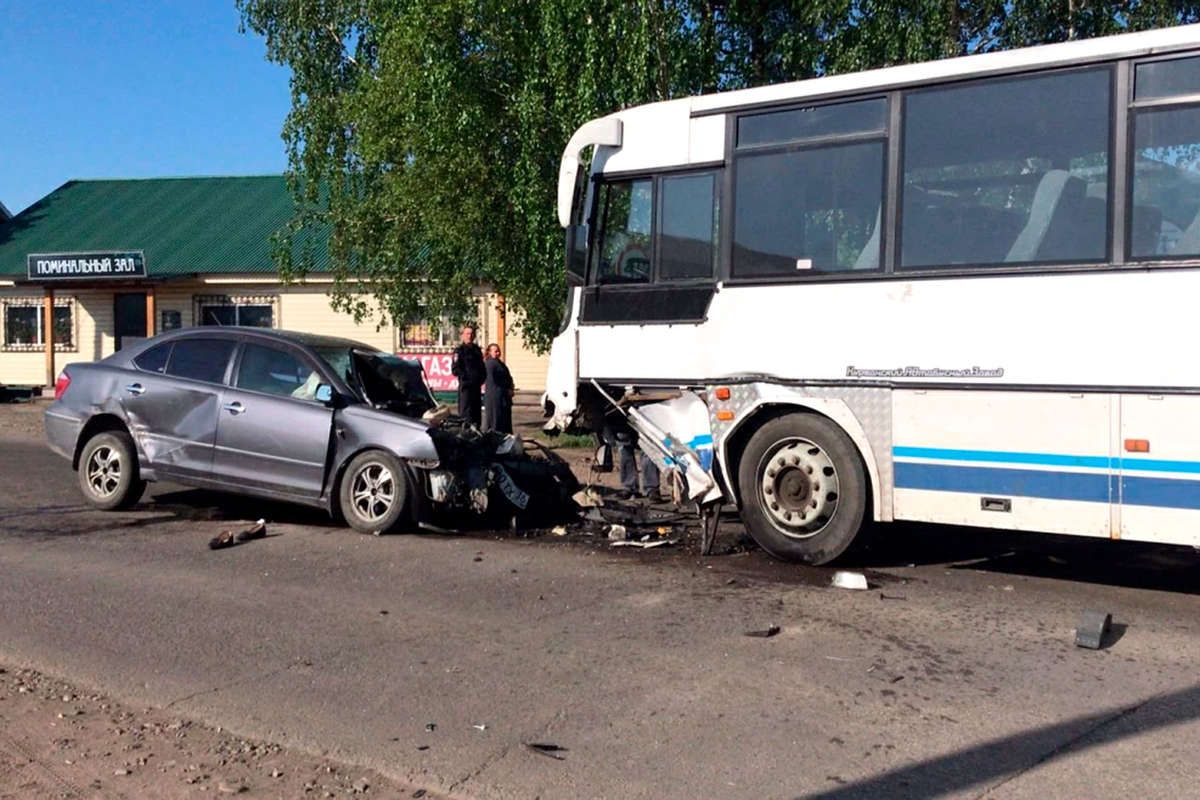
(225, 310)
(426, 333)
(24, 324)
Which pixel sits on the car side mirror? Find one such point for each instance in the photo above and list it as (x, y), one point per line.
(602, 460)
(324, 393)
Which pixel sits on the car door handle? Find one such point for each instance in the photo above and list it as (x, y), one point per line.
(234, 408)
(135, 388)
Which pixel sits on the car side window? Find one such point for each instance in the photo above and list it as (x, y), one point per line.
(200, 359)
(278, 372)
(154, 359)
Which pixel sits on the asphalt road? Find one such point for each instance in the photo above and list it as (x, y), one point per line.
(954, 677)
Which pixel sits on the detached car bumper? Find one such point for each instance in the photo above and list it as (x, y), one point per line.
(62, 430)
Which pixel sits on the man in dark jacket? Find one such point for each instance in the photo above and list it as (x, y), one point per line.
(468, 368)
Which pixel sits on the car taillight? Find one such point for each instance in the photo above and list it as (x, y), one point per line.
(60, 385)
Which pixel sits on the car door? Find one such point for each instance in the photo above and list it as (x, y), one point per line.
(273, 433)
(171, 402)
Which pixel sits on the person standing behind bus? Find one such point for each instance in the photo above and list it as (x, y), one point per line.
(498, 392)
(468, 368)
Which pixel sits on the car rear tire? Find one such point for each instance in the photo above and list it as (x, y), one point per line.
(108, 471)
(803, 489)
(374, 493)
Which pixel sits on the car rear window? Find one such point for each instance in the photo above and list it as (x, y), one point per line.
(154, 359)
(200, 359)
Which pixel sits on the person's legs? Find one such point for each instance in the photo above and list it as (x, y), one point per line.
(650, 477)
(625, 460)
(464, 402)
(475, 407)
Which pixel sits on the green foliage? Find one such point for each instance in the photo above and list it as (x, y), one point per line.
(427, 133)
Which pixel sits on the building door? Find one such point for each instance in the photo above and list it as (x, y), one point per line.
(129, 315)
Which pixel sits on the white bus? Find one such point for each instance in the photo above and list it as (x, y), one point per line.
(963, 291)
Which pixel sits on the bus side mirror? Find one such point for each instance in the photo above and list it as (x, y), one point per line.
(324, 393)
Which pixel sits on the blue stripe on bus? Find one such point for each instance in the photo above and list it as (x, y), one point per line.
(1049, 459)
(1091, 487)
(1000, 456)
(1088, 486)
(1162, 492)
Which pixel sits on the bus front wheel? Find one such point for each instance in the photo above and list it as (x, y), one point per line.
(803, 488)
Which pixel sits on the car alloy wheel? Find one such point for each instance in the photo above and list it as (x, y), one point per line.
(104, 471)
(373, 491)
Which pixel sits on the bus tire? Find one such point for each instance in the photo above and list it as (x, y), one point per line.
(803, 488)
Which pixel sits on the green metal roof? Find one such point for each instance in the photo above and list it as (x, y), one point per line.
(184, 225)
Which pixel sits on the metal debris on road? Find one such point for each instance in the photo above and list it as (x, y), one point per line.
(843, 579)
(545, 749)
(646, 545)
(1093, 627)
(766, 633)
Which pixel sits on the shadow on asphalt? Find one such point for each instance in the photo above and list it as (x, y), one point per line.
(1039, 555)
(996, 762)
(204, 505)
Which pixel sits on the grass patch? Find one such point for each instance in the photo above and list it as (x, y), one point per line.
(567, 441)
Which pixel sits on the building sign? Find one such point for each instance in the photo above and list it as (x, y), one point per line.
(103, 265)
(437, 369)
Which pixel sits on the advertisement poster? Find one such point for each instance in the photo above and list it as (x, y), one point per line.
(437, 369)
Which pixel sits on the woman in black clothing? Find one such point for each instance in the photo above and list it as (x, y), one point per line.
(498, 393)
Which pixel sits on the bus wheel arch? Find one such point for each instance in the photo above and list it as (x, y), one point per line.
(837, 413)
(789, 496)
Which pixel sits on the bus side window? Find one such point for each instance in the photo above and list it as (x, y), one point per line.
(1007, 171)
(623, 244)
(687, 222)
(1165, 202)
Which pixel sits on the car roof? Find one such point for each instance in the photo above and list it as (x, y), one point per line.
(270, 334)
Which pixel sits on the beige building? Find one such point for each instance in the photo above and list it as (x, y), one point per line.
(114, 261)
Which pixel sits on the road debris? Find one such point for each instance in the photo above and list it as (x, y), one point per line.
(843, 579)
(229, 538)
(883, 596)
(480, 727)
(587, 498)
(1093, 627)
(765, 633)
(546, 749)
(617, 533)
(646, 544)
(559, 530)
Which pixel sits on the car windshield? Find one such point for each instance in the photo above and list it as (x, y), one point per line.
(382, 379)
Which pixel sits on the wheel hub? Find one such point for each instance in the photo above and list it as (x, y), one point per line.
(799, 487)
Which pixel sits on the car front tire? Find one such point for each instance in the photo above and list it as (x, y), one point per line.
(108, 471)
(374, 493)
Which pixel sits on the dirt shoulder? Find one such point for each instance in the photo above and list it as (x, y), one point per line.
(58, 740)
(24, 419)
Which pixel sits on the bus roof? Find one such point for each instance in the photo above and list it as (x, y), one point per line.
(1125, 45)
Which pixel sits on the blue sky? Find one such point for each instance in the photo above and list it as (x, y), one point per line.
(124, 89)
